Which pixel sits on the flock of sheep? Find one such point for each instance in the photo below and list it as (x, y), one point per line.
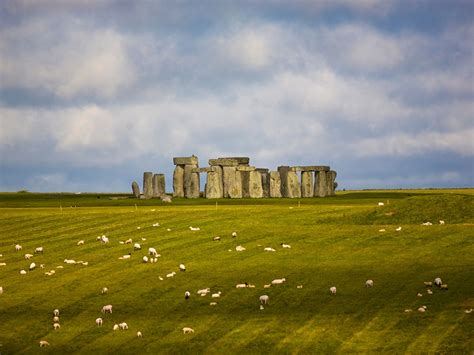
(152, 257)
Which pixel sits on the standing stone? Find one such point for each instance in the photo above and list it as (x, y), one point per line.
(158, 185)
(234, 183)
(320, 184)
(283, 170)
(147, 185)
(265, 181)
(331, 179)
(255, 184)
(178, 181)
(135, 189)
(293, 185)
(275, 184)
(191, 182)
(245, 176)
(228, 178)
(213, 188)
(307, 187)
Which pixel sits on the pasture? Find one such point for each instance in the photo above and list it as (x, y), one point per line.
(334, 242)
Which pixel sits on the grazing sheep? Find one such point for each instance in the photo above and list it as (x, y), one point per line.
(444, 286)
(419, 294)
(156, 224)
(427, 224)
(56, 326)
(216, 295)
(18, 247)
(299, 286)
(467, 311)
(213, 304)
(408, 310)
(261, 307)
(204, 291)
(398, 229)
(22, 272)
(438, 282)
(3, 264)
(107, 308)
(56, 312)
(99, 322)
(278, 281)
(139, 227)
(381, 204)
(194, 228)
(32, 266)
(428, 291)
(123, 326)
(81, 242)
(39, 250)
(104, 290)
(288, 246)
(182, 267)
(264, 299)
(1, 290)
(187, 294)
(239, 248)
(55, 319)
(216, 238)
(104, 239)
(441, 221)
(187, 330)
(333, 290)
(137, 246)
(267, 286)
(421, 309)
(145, 259)
(129, 241)
(116, 327)
(428, 283)
(382, 230)
(234, 234)
(28, 256)
(70, 261)
(171, 274)
(152, 252)
(127, 256)
(43, 343)
(269, 249)
(139, 334)
(369, 283)
(244, 285)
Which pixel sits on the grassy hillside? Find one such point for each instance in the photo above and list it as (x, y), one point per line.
(334, 242)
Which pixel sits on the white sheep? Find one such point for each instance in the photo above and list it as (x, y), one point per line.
(69, 261)
(22, 272)
(382, 230)
(18, 247)
(139, 334)
(39, 250)
(269, 249)
(99, 322)
(1, 290)
(428, 283)
(427, 224)
(241, 285)
(28, 256)
(278, 281)
(116, 327)
(234, 234)
(187, 294)
(145, 259)
(444, 286)
(182, 267)
(369, 283)
(428, 291)
(419, 294)
(171, 274)
(216, 295)
(125, 257)
(3, 264)
(264, 299)
(333, 290)
(32, 266)
(43, 343)
(438, 282)
(288, 246)
(107, 308)
(398, 229)
(299, 286)
(441, 221)
(137, 246)
(56, 312)
(156, 224)
(123, 326)
(239, 248)
(194, 228)
(104, 290)
(56, 326)
(213, 304)
(216, 238)
(81, 242)
(129, 241)
(381, 204)
(187, 330)
(468, 311)
(267, 286)
(104, 239)
(152, 252)
(55, 319)
(204, 291)
(422, 309)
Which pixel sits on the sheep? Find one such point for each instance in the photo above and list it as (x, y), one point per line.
(216, 238)
(239, 248)
(245, 285)
(123, 326)
(216, 295)
(261, 307)
(1, 290)
(213, 304)
(127, 256)
(143, 239)
(145, 259)
(419, 294)
(43, 343)
(69, 261)
(398, 229)
(32, 266)
(116, 327)
(421, 309)
(299, 286)
(139, 334)
(381, 204)
(81, 242)
(264, 299)
(99, 322)
(269, 249)
(152, 252)
(139, 227)
(41, 266)
(182, 267)
(107, 308)
(104, 290)
(104, 239)
(194, 228)
(441, 222)
(467, 311)
(56, 326)
(137, 246)
(156, 224)
(382, 230)
(427, 224)
(288, 246)
(187, 294)
(438, 282)
(129, 241)
(18, 247)
(267, 286)
(234, 234)
(39, 250)
(278, 281)
(56, 312)
(333, 290)
(187, 330)
(428, 291)
(171, 274)
(444, 287)
(28, 256)
(3, 264)
(55, 319)
(428, 283)
(22, 272)
(369, 283)
(408, 310)
(203, 291)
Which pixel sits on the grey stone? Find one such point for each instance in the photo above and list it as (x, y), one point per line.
(245, 168)
(191, 182)
(228, 176)
(331, 179)
(307, 185)
(320, 184)
(283, 170)
(262, 170)
(245, 179)
(165, 198)
(192, 160)
(293, 185)
(159, 187)
(178, 181)
(275, 184)
(223, 162)
(311, 168)
(232, 182)
(214, 187)
(265, 181)
(240, 160)
(147, 185)
(255, 185)
(135, 189)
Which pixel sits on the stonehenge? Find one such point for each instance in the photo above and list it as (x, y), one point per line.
(234, 177)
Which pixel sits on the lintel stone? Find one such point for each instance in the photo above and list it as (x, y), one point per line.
(192, 160)
(311, 168)
(245, 168)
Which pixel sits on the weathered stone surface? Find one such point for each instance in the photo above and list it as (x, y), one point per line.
(255, 185)
(191, 182)
(178, 181)
(245, 168)
(232, 182)
(165, 198)
(307, 185)
(135, 189)
(214, 187)
(262, 170)
(147, 185)
(283, 170)
(331, 178)
(159, 187)
(265, 181)
(192, 160)
(202, 170)
(320, 184)
(275, 184)
(311, 168)
(223, 162)
(293, 185)
(240, 160)
(245, 178)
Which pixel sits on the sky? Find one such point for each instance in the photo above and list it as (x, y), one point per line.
(95, 92)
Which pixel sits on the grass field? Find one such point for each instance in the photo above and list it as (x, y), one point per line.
(334, 242)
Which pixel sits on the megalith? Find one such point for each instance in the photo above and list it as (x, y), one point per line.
(331, 179)
(283, 170)
(234, 183)
(147, 185)
(213, 187)
(178, 181)
(191, 181)
(275, 184)
(135, 189)
(159, 187)
(293, 188)
(255, 184)
(307, 187)
(320, 184)
(265, 176)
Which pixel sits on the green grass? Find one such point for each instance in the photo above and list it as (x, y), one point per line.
(335, 242)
